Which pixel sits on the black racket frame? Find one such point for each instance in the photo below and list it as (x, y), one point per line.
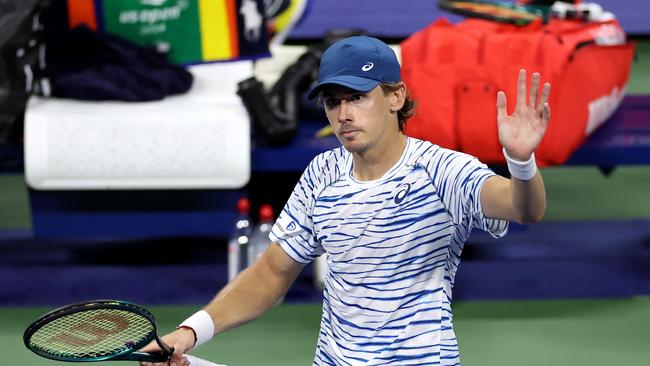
(129, 354)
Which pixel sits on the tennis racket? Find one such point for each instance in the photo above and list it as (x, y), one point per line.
(99, 330)
(498, 11)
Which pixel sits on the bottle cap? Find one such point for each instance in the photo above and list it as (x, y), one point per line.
(266, 212)
(243, 205)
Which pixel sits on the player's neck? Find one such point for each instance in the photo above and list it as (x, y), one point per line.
(374, 163)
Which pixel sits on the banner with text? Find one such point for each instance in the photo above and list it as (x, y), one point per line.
(189, 31)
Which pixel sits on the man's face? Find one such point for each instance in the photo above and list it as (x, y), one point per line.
(360, 120)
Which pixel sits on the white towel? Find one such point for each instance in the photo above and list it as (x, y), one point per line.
(197, 140)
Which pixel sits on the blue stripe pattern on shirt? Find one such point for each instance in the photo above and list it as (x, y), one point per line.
(393, 247)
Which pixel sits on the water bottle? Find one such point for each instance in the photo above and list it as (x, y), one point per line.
(239, 239)
(260, 239)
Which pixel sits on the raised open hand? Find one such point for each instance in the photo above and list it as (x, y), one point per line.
(521, 132)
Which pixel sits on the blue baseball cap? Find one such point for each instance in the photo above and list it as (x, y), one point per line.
(359, 63)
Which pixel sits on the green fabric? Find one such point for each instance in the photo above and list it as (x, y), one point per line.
(177, 24)
(499, 333)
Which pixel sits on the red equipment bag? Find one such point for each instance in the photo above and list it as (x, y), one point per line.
(455, 71)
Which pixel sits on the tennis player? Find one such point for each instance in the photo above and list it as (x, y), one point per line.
(391, 212)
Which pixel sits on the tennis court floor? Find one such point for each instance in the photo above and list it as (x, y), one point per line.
(505, 333)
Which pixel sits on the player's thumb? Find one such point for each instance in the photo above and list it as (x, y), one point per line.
(151, 347)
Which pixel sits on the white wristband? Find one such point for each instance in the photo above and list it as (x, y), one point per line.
(522, 170)
(202, 324)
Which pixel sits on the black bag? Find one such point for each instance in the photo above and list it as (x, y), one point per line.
(87, 65)
(21, 34)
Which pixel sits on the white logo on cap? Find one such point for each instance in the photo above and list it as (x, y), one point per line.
(368, 66)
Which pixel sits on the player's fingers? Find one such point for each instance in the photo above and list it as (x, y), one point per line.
(502, 106)
(534, 89)
(185, 362)
(521, 90)
(143, 363)
(546, 92)
(177, 358)
(546, 113)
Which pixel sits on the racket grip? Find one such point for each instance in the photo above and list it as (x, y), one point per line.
(144, 357)
(195, 361)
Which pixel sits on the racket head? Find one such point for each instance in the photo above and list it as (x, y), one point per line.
(501, 12)
(95, 330)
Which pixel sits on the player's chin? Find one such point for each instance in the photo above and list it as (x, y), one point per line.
(354, 145)
(356, 149)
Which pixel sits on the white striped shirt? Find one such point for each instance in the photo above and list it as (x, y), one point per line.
(393, 246)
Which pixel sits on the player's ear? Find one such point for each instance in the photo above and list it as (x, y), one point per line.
(397, 98)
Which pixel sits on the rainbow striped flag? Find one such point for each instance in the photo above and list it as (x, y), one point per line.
(190, 31)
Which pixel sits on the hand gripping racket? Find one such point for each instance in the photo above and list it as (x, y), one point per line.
(98, 330)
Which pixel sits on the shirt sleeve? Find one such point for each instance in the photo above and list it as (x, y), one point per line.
(459, 178)
(293, 229)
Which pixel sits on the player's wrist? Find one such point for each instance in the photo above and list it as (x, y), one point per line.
(201, 325)
(189, 335)
(522, 170)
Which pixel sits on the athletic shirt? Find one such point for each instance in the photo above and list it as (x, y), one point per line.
(393, 246)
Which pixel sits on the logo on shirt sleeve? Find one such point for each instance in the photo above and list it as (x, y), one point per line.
(287, 226)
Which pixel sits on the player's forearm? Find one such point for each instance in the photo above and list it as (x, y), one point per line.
(528, 199)
(242, 300)
(250, 294)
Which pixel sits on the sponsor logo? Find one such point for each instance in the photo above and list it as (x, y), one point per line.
(291, 226)
(368, 66)
(152, 2)
(286, 225)
(153, 18)
(608, 35)
(401, 194)
(253, 20)
(602, 108)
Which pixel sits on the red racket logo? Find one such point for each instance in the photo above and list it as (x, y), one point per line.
(97, 328)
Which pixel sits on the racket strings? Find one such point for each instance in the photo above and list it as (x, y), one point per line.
(92, 334)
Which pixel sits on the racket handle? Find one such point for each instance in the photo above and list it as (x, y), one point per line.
(144, 357)
(195, 361)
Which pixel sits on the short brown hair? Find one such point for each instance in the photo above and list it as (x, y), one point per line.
(407, 110)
